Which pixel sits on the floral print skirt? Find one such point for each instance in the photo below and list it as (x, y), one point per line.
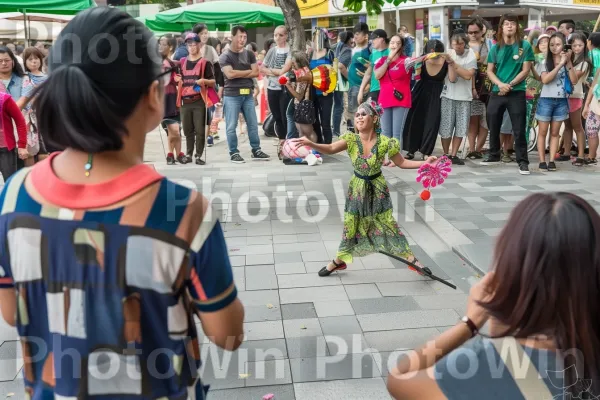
(369, 223)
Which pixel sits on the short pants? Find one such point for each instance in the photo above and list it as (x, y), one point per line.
(575, 104)
(552, 109)
(592, 125)
(477, 107)
(456, 115)
(170, 121)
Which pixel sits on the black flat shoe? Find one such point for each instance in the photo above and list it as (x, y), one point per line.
(338, 267)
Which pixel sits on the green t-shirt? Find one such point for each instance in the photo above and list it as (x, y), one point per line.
(375, 56)
(595, 57)
(360, 57)
(509, 60)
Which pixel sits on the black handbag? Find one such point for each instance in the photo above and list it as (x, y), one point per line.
(304, 112)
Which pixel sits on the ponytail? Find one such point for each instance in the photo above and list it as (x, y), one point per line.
(73, 112)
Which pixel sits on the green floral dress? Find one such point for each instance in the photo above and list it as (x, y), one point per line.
(369, 224)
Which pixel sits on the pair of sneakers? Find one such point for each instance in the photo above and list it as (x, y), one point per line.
(258, 155)
(491, 160)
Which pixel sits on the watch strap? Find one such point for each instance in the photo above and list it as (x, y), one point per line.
(471, 325)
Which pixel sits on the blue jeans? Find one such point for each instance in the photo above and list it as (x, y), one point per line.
(232, 106)
(338, 111)
(392, 122)
(292, 132)
(352, 105)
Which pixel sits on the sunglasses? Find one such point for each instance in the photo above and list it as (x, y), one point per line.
(473, 32)
(361, 114)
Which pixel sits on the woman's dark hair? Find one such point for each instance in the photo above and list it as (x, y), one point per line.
(344, 37)
(95, 84)
(32, 52)
(547, 280)
(583, 57)
(299, 57)
(550, 56)
(253, 46)
(17, 69)
(435, 46)
(268, 44)
(595, 39)
(199, 28)
(459, 34)
(214, 42)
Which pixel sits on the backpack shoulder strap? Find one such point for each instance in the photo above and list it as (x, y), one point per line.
(522, 370)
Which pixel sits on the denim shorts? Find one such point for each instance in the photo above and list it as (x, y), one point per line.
(552, 109)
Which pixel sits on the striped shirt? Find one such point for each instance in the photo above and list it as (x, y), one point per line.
(109, 275)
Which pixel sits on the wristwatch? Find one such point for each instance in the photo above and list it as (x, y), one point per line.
(471, 325)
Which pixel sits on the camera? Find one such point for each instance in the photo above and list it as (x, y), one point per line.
(566, 47)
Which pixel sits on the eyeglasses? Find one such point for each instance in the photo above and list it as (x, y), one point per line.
(473, 32)
(165, 76)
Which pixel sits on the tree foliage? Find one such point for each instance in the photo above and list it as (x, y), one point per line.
(169, 4)
(372, 6)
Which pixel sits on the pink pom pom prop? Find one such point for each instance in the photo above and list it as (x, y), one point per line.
(290, 150)
(432, 175)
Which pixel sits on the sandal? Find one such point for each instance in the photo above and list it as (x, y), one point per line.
(578, 162)
(325, 272)
(425, 269)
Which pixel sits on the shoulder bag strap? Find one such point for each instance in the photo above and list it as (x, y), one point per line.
(526, 377)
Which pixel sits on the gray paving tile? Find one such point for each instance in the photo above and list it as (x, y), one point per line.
(346, 344)
(290, 257)
(281, 239)
(383, 305)
(344, 366)
(265, 330)
(264, 350)
(404, 288)
(272, 372)
(259, 298)
(375, 276)
(350, 389)
(365, 291)
(239, 277)
(303, 295)
(333, 308)
(302, 327)
(407, 320)
(340, 325)
(260, 277)
(290, 268)
(307, 347)
(260, 259)
(237, 261)
(221, 369)
(262, 313)
(298, 311)
(399, 339)
(306, 280)
(13, 390)
(9, 350)
(281, 392)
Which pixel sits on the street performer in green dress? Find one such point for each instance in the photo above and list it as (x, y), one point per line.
(369, 224)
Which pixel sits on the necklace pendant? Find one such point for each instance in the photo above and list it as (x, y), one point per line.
(87, 173)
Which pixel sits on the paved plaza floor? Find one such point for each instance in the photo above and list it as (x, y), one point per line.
(312, 338)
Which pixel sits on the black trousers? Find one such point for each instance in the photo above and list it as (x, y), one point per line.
(516, 105)
(324, 108)
(193, 119)
(278, 103)
(8, 162)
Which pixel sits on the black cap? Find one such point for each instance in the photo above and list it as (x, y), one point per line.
(379, 33)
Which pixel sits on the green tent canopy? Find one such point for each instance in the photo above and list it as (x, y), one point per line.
(162, 28)
(222, 14)
(64, 7)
